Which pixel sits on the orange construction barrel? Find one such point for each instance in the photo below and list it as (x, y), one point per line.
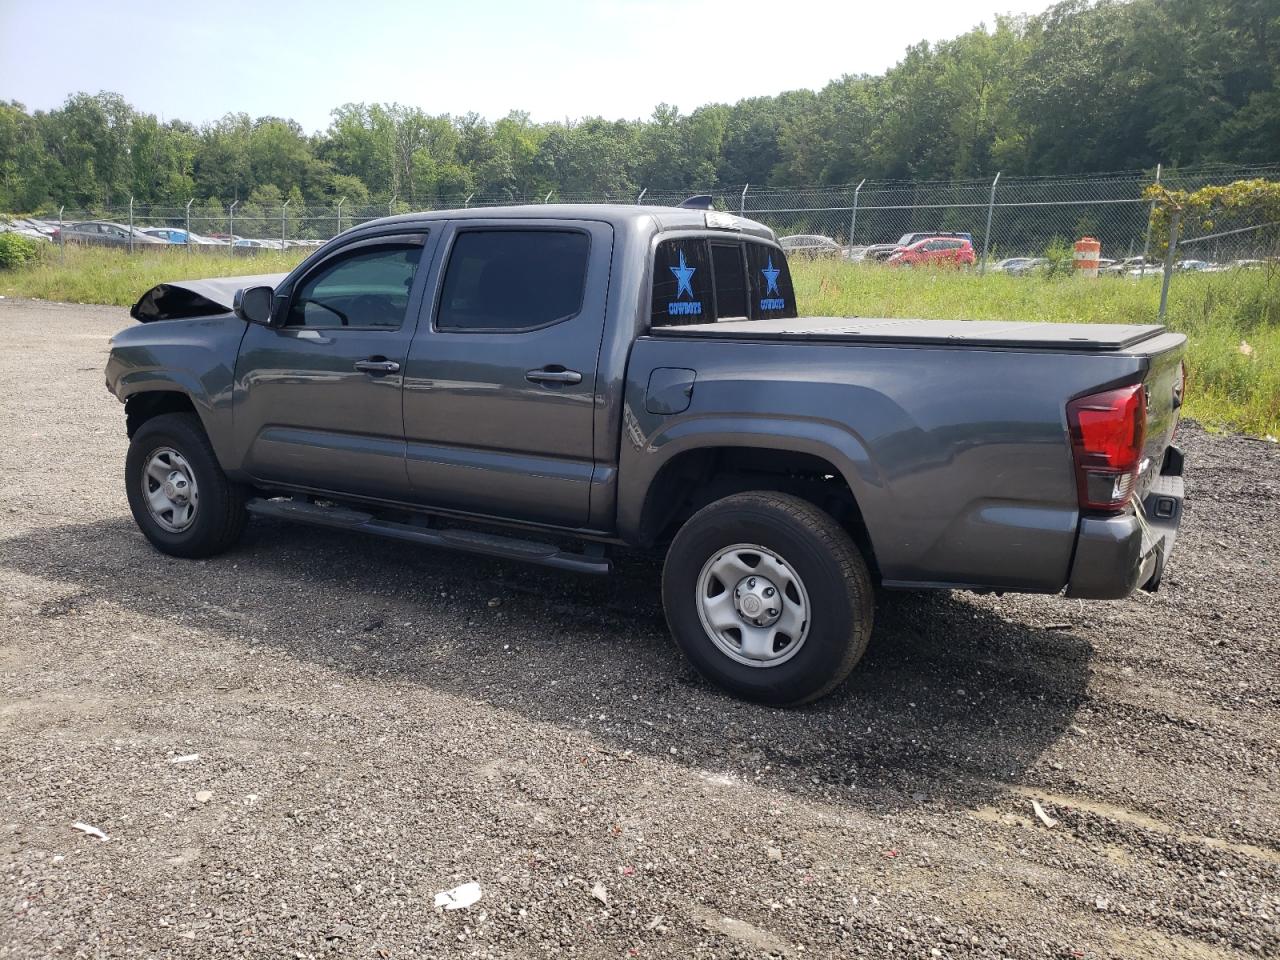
(1088, 250)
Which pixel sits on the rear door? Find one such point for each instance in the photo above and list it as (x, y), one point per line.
(500, 382)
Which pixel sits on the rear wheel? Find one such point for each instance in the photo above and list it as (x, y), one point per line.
(768, 597)
(180, 498)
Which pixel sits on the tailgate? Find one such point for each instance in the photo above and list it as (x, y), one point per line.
(1163, 385)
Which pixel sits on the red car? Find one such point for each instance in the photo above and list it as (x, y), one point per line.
(934, 251)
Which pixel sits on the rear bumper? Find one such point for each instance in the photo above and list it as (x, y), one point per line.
(1116, 555)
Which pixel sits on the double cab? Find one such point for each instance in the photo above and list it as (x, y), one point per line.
(558, 383)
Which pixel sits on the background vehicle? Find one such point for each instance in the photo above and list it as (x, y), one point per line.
(934, 251)
(179, 235)
(1011, 264)
(102, 233)
(907, 239)
(552, 383)
(879, 252)
(810, 245)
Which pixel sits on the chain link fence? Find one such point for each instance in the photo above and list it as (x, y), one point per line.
(1005, 217)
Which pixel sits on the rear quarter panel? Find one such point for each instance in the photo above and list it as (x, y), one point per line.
(959, 458)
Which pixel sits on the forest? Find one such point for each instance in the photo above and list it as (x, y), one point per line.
(1083, 87)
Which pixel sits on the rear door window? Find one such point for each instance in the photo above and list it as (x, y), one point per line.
(513, 279)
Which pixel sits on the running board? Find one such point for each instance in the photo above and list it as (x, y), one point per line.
(472, 541)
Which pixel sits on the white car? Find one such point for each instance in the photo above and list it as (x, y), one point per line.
(810, 245)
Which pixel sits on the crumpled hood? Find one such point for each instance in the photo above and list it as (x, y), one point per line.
(183, 299)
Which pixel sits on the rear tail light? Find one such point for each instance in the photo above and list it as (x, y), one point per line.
(1107, 434)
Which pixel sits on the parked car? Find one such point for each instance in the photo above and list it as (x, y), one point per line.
(1028, 266)
(179, 235)
(879, 252)
(907, 239)
(1122, 267)
(27, 227)
(810, 245)
(936, 252)
(249, 247)
(421, 374)
(1012, 264)
(102, 233)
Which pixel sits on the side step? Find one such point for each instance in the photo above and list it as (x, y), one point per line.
(472, 541)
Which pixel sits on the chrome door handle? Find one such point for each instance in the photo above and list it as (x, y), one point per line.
(553, 376)
(373, 365)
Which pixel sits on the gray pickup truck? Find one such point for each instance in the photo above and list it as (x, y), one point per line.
(554, 383)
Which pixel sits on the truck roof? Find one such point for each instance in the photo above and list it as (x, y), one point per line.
(618, 214)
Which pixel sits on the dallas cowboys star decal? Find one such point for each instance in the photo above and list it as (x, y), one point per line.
(771, 277)
(684, 274)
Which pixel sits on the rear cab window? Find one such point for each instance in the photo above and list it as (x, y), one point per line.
(707, 279)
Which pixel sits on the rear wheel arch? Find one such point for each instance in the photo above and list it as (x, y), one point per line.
(694, 478)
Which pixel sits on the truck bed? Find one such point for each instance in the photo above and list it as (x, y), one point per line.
(1074, 337)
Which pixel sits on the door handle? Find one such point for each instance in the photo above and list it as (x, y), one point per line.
(553, 375)
(377, 365)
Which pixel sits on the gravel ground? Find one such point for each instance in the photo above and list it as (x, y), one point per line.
(376, 723)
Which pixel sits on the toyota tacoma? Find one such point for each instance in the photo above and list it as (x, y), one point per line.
(557, 383)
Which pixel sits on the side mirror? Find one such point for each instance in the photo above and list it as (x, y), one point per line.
(254, 305)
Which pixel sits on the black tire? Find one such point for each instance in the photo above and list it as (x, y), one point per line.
(220, 515)
(822, 555)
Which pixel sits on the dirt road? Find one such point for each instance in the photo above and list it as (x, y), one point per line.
(376, 723)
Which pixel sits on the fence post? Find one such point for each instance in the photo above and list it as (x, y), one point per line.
(986, 237)
(853, 218)
(340, 203)
(742, 201)
(466, 204)
(641, 197)
(62, 240)
(1146, 244)
(391, 205)
(1168, 263)
(189, 203)
(547, 198)
(283, 208)
(231, 226)
(131, 224)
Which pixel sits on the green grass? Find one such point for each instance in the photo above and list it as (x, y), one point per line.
(102, 275)
(1231, 387)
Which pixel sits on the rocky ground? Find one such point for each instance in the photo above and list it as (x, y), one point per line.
(363, 724)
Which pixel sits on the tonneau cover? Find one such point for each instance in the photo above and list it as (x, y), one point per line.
(977, 333)
(182, 299)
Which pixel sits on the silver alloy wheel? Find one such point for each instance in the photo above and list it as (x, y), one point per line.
(169, 487)
(753, 605)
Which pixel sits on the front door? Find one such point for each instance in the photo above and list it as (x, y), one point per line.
(318, 401)
(500, 385)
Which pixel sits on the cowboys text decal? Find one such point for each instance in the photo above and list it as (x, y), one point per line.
(771, 278)
(684, 284)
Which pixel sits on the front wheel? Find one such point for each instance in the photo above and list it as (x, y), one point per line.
(768, 597)
(180, 498)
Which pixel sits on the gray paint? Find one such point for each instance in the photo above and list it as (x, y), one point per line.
(952, 436)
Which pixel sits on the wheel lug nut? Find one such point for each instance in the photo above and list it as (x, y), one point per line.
(768, 591)
(751, 584)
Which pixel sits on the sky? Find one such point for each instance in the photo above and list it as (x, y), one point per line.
(199, 61)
